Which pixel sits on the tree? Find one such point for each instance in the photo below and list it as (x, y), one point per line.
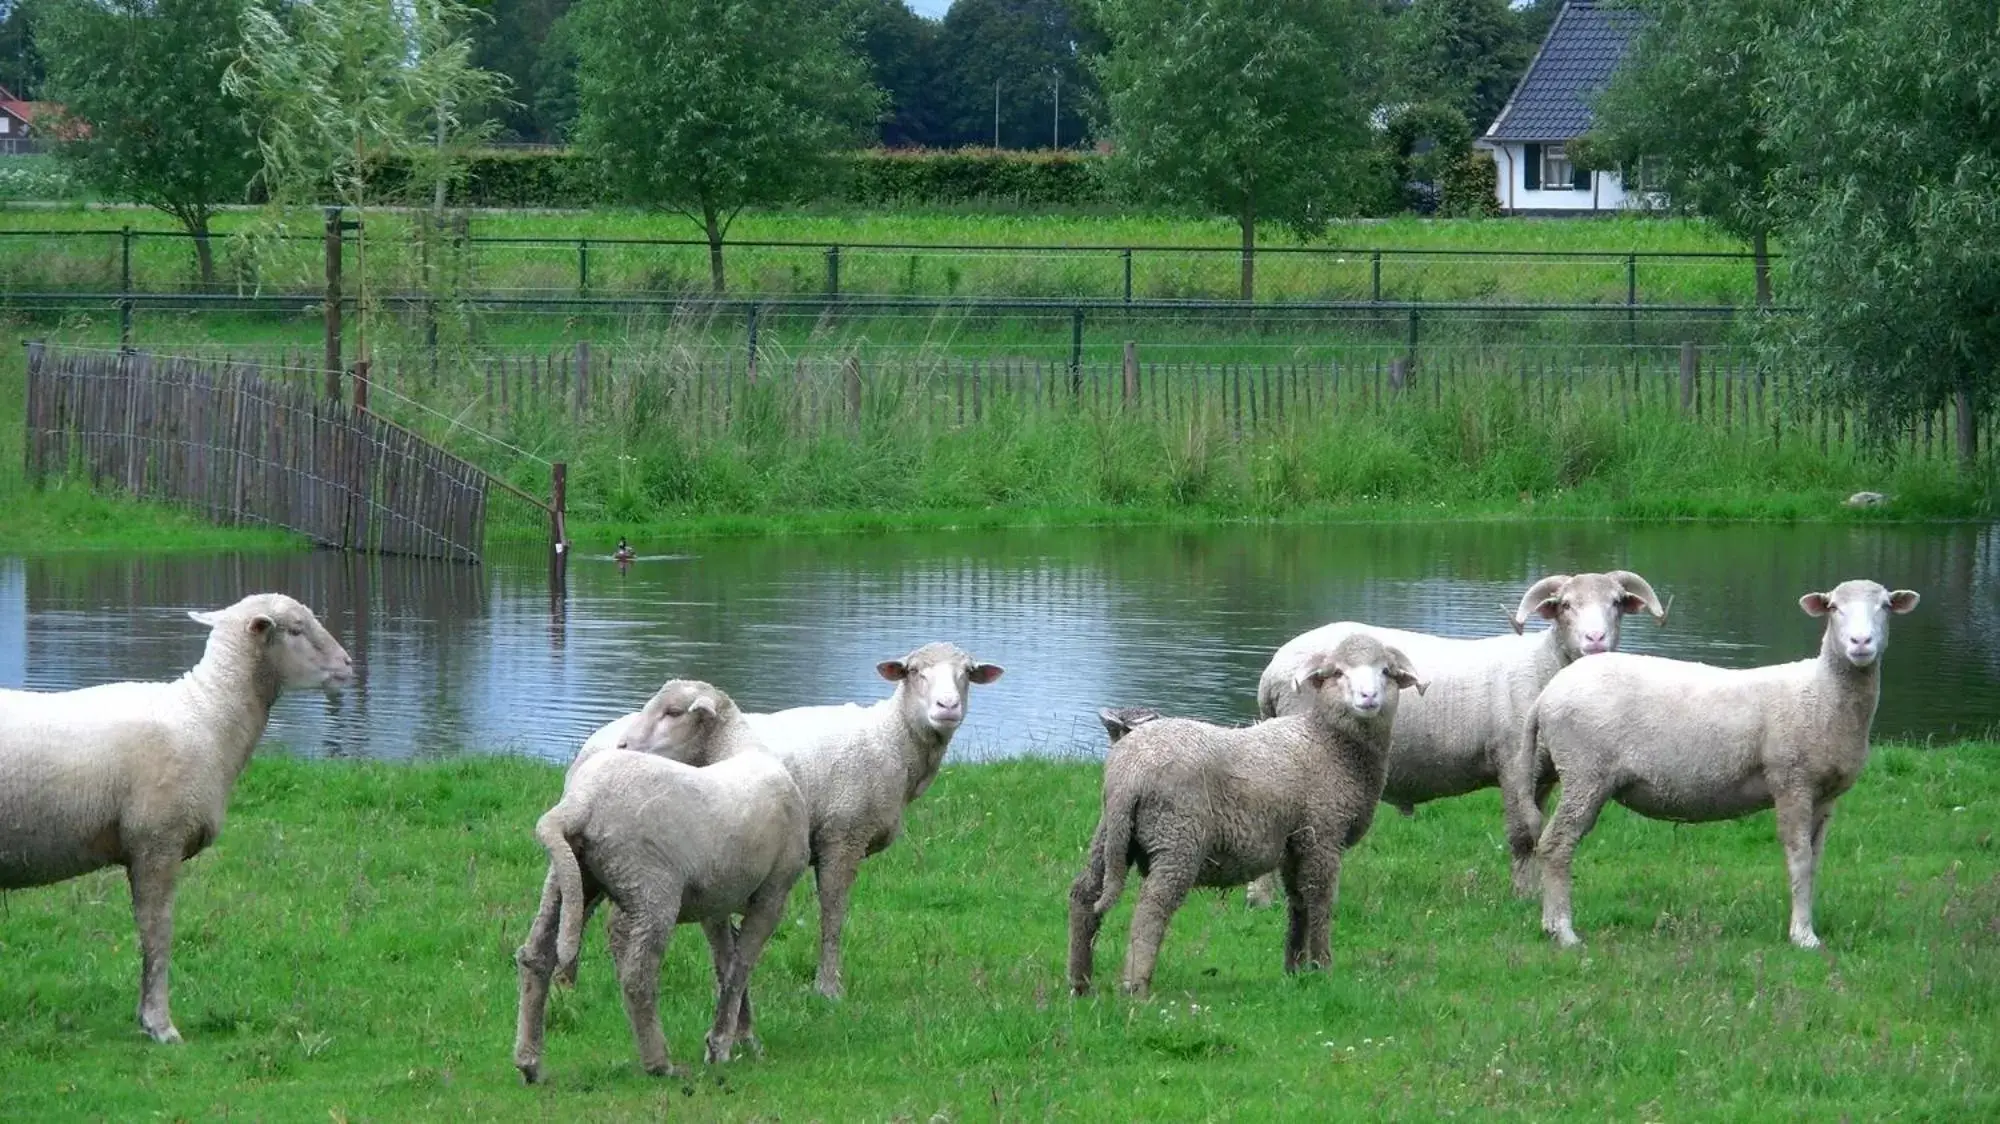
(708, 106)
(1889, 119)
(343, 88)
(1465, 53)
(1238, 107)
(1024, 54)
(516, 40)
(1683, 117)
(144, 114)
(20, 61)
(901, 49)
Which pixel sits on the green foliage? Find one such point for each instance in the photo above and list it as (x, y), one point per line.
(1468, 188)
(902, 52)
(1683, 114)
(1242, 108)
(41, 178)
(522, 41)
(145, 116)
(1889, 118)
(345, 951)
(1465, 53)
(709, 106)
(1017, 51)
(892, 177)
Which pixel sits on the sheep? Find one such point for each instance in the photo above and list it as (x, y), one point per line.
(1674, 740)
(1121, 720)
(859, 767)
(139, 774)
(1456, 739)
(1196, 804)
(685, 820)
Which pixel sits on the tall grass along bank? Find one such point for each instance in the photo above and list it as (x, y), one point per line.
(345, 952)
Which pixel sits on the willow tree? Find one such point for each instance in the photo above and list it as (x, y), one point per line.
(345, 90)
(1238, 107)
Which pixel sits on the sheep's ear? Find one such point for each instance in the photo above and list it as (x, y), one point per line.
(1903, 600)
(702, 705)
(261, 625)
(1402, 674)
(1318, 676)
(895, 671)
(203, 617)
(1114, 723)
(984, 673)
(1816, 604)
(1549, 609)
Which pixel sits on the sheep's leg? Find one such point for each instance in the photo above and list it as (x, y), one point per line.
(1262, 891)
(1523, 796)
(152, 879)
(732, 1010)
(722, 944)
(1295, 925)
(834, 870)
(1801, 830)
(638, 940)
(1575, 814)
(1165, 888)
(1084, 920)
(536, 961)
(1312, 884)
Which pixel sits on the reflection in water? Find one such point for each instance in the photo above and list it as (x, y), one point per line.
(454, 658)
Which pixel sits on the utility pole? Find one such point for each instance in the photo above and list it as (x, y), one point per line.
(996, 113)
(1057, 130)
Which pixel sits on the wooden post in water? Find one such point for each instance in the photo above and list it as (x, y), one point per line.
(1690, 365)
(558, 531)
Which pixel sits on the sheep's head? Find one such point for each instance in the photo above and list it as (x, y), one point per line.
(1361, 674)
(1121, 720)
(679, 721)
(934, 682)
(1585, 610)
(299, 650)
(1857, 612)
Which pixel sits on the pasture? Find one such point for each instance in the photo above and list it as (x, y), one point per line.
(345, 953)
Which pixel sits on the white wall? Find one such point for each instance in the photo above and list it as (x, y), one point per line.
(1607, 189)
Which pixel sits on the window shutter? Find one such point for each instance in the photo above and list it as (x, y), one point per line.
(1581, 177)
(1531, 167)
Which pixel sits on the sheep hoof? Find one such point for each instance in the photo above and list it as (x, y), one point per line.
(531, 1072)
(165, 1035)
(1807, 940)
(830, 989)
(666, 1069)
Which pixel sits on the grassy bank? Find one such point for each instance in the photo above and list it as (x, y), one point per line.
(345, 952)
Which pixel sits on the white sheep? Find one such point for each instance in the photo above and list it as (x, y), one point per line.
(859, 767)
(1195, 804)
(1458, 736)
(688, 821)
(1682, 741)
(139, 774)
(1121, 720)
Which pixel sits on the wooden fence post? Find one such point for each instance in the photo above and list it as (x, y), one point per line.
(1690, 364)
(361, 384)
(582, 379)
(333, 229)
(1131, 373)
(1968, 429)
(1399, 374)
(558, 531)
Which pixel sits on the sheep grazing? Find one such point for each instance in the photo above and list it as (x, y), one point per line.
(139, 774)
(687, 820)
(1121, 720)
(1457, 738)
(1688, 742)
(860, 766)
(1195, 804)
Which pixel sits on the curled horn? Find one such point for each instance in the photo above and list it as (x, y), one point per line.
(1537, 593)
(1637, 587)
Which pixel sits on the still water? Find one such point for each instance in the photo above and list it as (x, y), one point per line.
(480, 660)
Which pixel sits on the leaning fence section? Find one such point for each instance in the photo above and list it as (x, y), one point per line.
(221, 439)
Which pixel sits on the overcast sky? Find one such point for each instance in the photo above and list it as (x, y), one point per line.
(931, 8)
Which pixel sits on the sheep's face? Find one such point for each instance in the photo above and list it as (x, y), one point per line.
(936, 680)
(1363, 675)
(299, 649)
(1121, 720)
(1585, 610)
(1857, 612)
(677, 722)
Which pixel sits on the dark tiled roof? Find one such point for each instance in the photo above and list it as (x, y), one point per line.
(1583, 48)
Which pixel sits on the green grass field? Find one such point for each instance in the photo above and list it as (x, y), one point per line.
(345, 953)
(48, 253)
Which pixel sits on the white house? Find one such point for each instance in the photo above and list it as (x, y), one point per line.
(1550, 108)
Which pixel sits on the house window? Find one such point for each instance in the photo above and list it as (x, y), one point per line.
(1557, 175)
(6, 125)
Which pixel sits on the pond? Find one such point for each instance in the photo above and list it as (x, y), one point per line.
(457, 659)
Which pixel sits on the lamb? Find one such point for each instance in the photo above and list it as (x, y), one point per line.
(139, 774)
(1196, 804)
(859, 767)
(1457, 739)
(1681, 741)
(686, 820)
